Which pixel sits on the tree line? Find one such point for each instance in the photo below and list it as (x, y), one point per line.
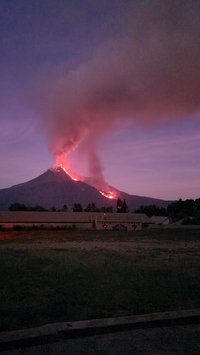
(188, 211)
(121, 207)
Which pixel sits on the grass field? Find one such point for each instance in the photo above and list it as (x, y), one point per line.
(52, 276)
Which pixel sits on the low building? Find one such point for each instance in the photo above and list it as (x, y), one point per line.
(80, 220)
(160, 220)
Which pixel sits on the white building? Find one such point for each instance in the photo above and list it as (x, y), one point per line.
(80, 220)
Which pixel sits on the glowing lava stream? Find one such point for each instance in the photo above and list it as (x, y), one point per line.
(67, 172)
(109, 195)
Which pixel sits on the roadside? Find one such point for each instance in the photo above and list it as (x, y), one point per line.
(158, 333)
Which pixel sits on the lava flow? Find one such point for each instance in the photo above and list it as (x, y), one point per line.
(73, 177)
(109, 194)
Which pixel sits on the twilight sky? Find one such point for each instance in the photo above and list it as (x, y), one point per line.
(110, 88)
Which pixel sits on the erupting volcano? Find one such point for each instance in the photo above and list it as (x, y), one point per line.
(72, 176)
(58, 187)
(109, 194)
(117, 99)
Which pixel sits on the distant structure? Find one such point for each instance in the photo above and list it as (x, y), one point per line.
(79, 220)
(160, 220)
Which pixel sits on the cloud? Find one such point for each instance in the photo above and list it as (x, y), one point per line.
(148, 74)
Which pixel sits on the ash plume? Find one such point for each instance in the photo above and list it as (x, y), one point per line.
(149, 73)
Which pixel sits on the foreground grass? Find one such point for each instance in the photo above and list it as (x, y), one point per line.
(38, 287)
(162, 234)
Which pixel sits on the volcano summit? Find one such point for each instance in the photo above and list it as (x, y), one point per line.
(56, 188)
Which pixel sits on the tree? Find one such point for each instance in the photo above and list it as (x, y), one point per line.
(22, 207)
(124, 207)
(37, 208)
(152, 210)
(77, 207)
(108, 209)
(17, 207)
(180, 209)
(91, 207)
(64, 209)
(119, 205)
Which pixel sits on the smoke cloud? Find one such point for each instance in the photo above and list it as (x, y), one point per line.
(148, 74)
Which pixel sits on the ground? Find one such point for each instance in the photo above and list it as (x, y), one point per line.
(182, 340)
(49, 276)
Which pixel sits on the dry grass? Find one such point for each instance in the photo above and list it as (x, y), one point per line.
(61, 276)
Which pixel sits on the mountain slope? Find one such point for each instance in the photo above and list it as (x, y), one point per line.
(56, 188)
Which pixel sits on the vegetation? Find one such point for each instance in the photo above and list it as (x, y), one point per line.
(121, 206)
(22, 207)
(91, 207)
(152, 210)
(188, 211)
(39, 287)
(77, 207)
(77, 235)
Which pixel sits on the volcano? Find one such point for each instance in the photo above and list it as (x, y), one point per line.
(55, 188)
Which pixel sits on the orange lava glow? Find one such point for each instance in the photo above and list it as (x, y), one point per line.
(109, 194)
(72, 176)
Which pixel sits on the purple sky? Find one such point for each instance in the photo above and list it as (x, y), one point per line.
(127, 74)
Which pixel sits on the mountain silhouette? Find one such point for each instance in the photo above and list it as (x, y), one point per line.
(55, 188)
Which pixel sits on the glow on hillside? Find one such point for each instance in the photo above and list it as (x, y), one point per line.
(110, 194)
(72, 176)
